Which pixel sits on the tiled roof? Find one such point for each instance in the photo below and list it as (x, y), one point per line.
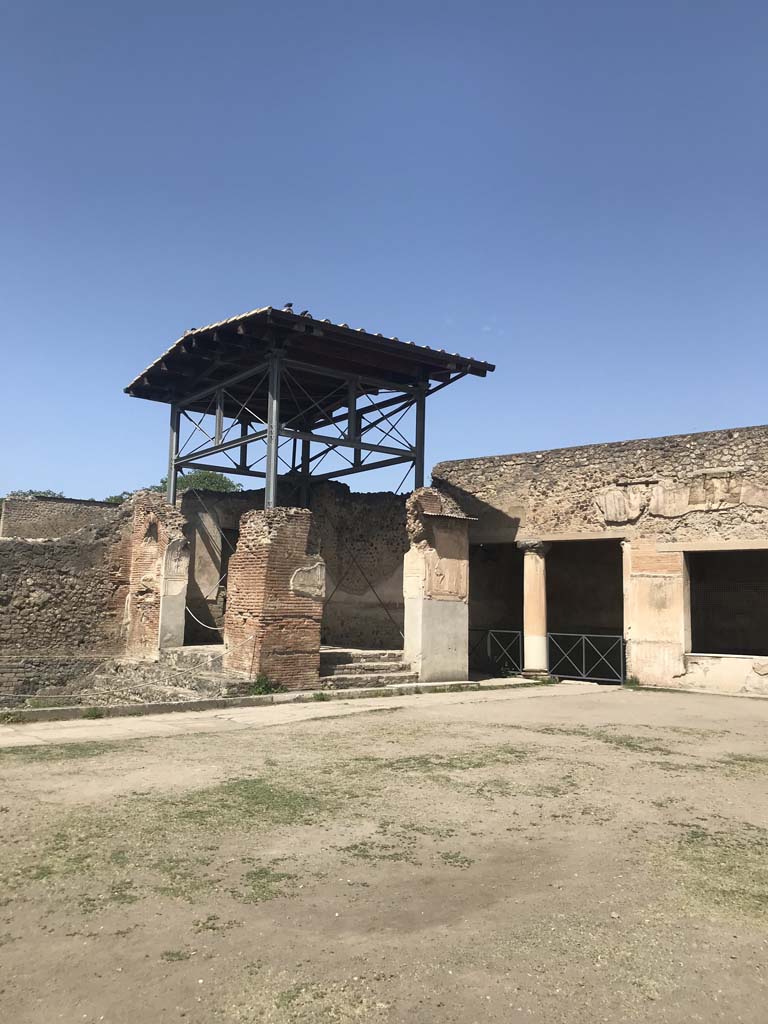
(287, 318)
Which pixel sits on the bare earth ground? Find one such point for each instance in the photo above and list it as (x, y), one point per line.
(542, 857)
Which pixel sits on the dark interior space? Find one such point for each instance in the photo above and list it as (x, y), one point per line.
(495, 602)
(495, 586)
(585, 587)
(729, 602)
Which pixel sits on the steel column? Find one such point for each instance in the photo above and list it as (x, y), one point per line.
(353, 420)
(418, 462)
(219, 429)
(173, 449)
(273, 429)
(305, 472)
(243, 460)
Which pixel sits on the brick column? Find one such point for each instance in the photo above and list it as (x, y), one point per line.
(535, 607)
(275, 594)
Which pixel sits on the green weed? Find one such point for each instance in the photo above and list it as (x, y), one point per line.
(262, 685)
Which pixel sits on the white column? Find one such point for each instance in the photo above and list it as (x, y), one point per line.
(535, 607)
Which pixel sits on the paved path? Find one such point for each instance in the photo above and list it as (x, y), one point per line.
(177, 723)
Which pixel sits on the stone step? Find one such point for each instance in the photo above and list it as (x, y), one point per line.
(347, 655)
(361, 667)
(354, 682)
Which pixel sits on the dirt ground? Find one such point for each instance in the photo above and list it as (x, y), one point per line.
(578, 858)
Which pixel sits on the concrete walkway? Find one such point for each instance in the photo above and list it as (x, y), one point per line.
(175, 724)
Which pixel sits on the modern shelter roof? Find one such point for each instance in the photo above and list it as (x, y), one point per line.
(210, 356)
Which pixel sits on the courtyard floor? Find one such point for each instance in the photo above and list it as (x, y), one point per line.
(545, 855)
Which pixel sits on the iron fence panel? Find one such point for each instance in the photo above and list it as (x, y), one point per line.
(496, 650)
(593, 656)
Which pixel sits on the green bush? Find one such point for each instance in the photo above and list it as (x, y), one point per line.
(263, 684)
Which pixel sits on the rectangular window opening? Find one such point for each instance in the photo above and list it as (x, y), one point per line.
(729, 602)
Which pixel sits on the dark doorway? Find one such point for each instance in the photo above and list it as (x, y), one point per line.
(585, 610)
(495, 608)
(729, 602)
(585, 591)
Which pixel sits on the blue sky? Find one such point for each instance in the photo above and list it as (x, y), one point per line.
(574, 191)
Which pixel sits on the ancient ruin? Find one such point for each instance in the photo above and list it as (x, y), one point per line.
(641, 560)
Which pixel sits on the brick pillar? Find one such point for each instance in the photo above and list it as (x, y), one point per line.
(275, 592)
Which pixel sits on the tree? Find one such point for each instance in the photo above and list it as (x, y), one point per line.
(118, 499)
(35, 494)
(201, 480)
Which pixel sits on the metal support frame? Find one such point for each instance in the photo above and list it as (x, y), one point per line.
(273, 430)
(418, 462)
(353, 419)
(356, 418)
(173, 451)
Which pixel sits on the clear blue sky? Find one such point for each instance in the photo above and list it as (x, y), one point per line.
(577, 192)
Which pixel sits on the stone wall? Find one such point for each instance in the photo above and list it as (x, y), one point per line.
(275, 600)
(661, 497)
(50, 517)
(157, 532)
(63, 603)
(712, 484)
(69, 603)
(361, 537)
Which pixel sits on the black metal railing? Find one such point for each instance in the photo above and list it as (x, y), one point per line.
(498, 651)
(595, 657)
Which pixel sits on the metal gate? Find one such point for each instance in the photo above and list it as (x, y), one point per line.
(596, 657)
(496, 650)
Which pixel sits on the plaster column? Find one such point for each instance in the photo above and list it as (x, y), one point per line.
(436, 588)
(173, 595)
(535, 607)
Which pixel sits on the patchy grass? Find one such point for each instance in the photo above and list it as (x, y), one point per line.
(248, 801)
(163, 841)
(683, 766)
(563, 787)
(433, 831)
(372, 851)
(174, 955)
(213, 924)
(288, 996)
(264, 883)
(491, 789)
(621, 740)
(746, 762)
(427, 764)
(727, 868)
(456, 859)
(119, 893)
(182, 876)
(68, 751)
